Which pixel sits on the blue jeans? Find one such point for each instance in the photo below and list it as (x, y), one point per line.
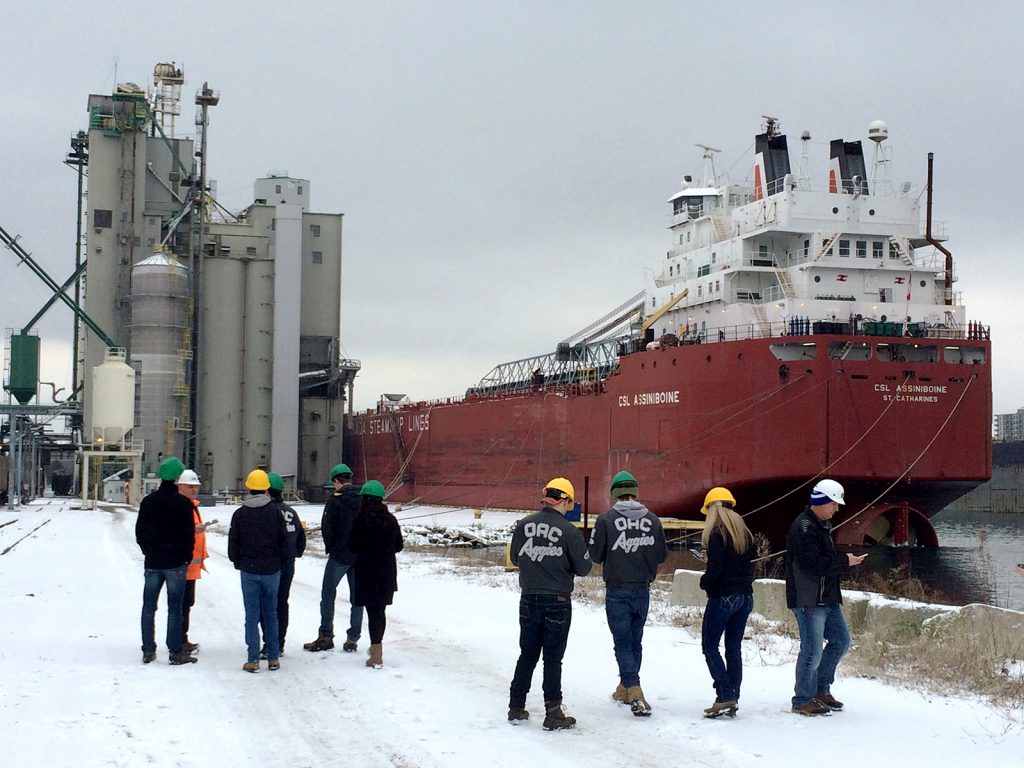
(543, 628)
(626, 610)
(725, 615)
(816, 668)
(155, 579)
(333, 573)
(259, 595)
(284, 589)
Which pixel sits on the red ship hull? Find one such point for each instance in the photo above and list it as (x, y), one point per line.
(905, 438)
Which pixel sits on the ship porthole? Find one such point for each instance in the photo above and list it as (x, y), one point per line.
(923, 283)
(871, 212)
(817, 278)
(835, 210)
(739, 356)
(709, 358)
(673, 361)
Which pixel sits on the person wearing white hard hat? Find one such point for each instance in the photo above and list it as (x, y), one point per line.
(188, 486)
(813, 573)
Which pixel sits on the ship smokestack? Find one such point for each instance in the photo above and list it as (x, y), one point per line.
(846, 168)
(771, 161)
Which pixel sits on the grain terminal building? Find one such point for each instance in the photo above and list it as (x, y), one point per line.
(230, 321)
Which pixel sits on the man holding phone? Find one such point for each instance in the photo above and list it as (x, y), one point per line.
(813, 569)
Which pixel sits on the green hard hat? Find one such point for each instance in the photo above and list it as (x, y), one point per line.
(275, 481)
(340, 469)
(171, 468)
(373, 488)
(624, 484)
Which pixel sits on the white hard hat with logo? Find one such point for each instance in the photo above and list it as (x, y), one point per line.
(189, 477)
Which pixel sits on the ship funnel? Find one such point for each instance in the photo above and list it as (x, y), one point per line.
(771, 162)
(846, 171)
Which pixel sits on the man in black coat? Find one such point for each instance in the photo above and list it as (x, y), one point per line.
(336, 527)
(165, 533)
(813, 571)
(256, 545)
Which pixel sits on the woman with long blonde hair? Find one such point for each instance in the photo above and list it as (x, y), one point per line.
(728, 581)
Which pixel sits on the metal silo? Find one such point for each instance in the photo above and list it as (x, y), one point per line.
(24, 375)
(113, 396)
(161, 354)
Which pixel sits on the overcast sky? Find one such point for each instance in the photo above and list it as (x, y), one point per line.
(503, 167)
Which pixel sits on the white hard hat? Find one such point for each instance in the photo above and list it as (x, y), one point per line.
(189, 477)
(826, 491)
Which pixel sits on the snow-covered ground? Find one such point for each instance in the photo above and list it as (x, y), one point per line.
(73, 690)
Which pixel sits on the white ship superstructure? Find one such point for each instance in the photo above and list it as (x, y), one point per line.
(787, 250)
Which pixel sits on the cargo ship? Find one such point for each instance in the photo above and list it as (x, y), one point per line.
(802, 324)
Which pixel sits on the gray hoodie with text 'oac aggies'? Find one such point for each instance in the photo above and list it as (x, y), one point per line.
(630, 541)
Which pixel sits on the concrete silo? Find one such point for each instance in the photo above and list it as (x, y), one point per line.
(160, 328)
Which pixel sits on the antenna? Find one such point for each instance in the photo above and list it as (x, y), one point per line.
(710, 177)
(878, 132)
(771, 126)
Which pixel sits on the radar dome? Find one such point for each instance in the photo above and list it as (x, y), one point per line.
(878, 131)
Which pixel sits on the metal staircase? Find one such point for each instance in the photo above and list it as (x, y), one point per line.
(761, 319)
(826, 245)
(905, 257)
(785, 283)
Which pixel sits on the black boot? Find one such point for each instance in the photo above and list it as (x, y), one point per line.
(555, 717)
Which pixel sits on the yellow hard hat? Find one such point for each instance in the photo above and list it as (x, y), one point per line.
(717, 494)
(562, 487)
(258, 480)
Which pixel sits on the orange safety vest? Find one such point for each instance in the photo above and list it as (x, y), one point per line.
(199, 554)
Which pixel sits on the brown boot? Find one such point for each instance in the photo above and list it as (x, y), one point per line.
(376, 657)
(323, 642)
(619, 694)
(637, 703)
(555, 717)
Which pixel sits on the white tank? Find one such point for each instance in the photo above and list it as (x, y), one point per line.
(113, 399)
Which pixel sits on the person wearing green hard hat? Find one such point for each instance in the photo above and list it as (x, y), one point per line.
(295, 545)
(340, 513)
(165, 532)
(376, 537)
(629, 541)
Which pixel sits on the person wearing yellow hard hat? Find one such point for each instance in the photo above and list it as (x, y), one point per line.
(256, 545)
(728, 580)
(629, 541)
(550, 553)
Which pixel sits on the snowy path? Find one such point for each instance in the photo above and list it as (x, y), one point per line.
(73, 690)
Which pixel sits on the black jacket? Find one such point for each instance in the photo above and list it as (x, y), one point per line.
(728, 572)
(336, 525)
(376, 537)
(257, 538)
(549, 552)
(165, 529)
(295, 544)
(813, 567)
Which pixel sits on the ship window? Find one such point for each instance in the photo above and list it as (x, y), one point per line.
(876, 249)
(700, 291)
(277, 189)
(688, 234)
(718, 286)
(314, 230)
(807, 247)
(795, 351)
(842, 350)
(962, 354)
(703, 270)
(862, 249)
(714, 257)
(300, 189)
(318, 257)
(893, 251)
(844, 247)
